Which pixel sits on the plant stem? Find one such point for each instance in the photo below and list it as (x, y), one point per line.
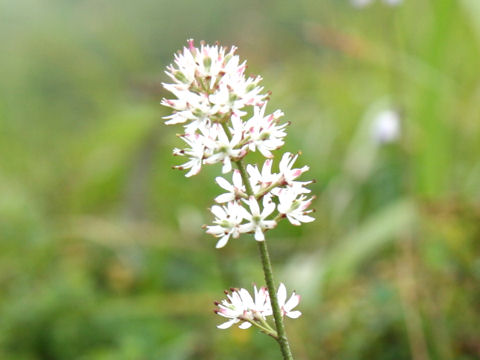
(268, 272)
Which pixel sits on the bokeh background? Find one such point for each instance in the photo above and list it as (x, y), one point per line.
(101, 251)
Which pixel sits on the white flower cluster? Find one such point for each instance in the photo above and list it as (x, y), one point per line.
(278, 191)
(224, 118)
(240, 306)
(213, 95)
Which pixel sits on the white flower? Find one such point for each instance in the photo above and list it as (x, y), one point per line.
(196, 153)
(263, 180)
(223, 149)
(240, 307)
(265, 134)
(262, 302)
(209, 84)
(191, 108)
(294, 205)
(235, 190)
(288, 174)
(236, 308)
(257, 221)
(211, 97)
(228, 219)
(288, 306)
(386, 127)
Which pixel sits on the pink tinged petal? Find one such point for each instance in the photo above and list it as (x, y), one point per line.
(267, 168)
(265, 152)
(259, 236)
(225, 311)
(293, 314)
(245, 325)
(297, 173)
(190, 44)
(281, 294)
(222, 242)
(227, 324)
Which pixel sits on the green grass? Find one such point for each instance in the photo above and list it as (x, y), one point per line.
(101, 251)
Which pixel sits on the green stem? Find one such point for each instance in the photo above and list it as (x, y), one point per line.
(267, 270)
(265, 328)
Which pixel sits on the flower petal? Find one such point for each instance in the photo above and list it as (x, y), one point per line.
(259, 236)
(223, 198)
(223, 183)
(281, 294)
(292, 302)
(293, 314)
(223, 241)
(227, 324)
(245, 325)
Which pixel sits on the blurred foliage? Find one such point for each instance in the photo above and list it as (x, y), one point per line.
(101, 251)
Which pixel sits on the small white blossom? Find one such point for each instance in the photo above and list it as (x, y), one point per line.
(228, 220)
(261, 180)
(235, 190)
(236, 308)
(224, 149)
(257, 221)
(288, 174)
(241, 307)
(196, 153)
(386, 127)
(265, 135)
(294, 206)
(288, 306)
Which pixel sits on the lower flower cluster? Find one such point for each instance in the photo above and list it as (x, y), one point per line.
(241, 307)
(273, 191)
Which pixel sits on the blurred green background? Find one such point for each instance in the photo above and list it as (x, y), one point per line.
(101, 251)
